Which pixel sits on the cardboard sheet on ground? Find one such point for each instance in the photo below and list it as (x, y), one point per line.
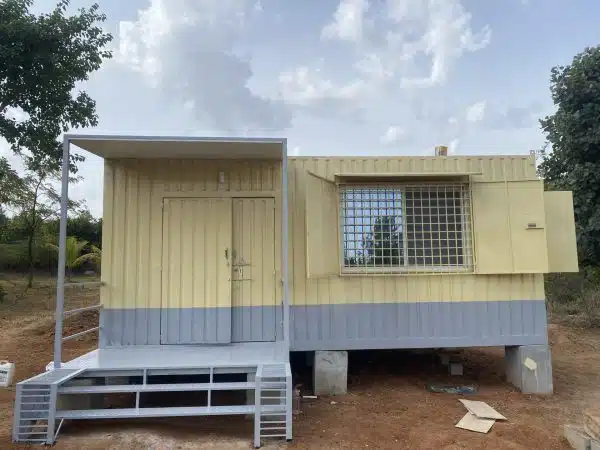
(482, 410)
(473, 423)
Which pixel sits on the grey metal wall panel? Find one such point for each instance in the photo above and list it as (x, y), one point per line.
(142, 326)
(195, 325)
(257, 323)
(418, 325)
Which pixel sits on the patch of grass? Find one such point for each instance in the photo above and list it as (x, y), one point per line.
(20, 301)
(575, 298)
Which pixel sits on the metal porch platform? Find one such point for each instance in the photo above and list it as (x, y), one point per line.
(182, 357)
(42, 404)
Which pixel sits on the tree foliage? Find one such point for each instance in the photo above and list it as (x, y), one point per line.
(14, 243)
(84, 226)
(74, 257)
(35, 203)
(573, 135)
(380, 247)
(42, 58)
(9, 183)
(384, 244)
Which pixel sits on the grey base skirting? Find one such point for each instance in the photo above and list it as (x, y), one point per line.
(418, 325)
(154, 326)
(336, 327)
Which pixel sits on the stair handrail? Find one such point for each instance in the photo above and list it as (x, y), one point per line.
(72, 312)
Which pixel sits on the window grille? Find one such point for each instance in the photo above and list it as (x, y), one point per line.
(406, 228)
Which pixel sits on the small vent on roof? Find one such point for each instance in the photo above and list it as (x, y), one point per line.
(441, 150)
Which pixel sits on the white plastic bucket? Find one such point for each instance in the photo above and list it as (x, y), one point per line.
(7, 369)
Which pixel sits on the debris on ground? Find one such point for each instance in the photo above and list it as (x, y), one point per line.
(482, 410)
(449, 389)
(480, 416)
(473, 423)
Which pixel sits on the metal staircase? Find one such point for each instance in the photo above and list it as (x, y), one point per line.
(273, 403)
(35, 406)
(39, 408)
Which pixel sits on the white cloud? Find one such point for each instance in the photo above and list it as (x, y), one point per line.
(475, 112)
(304, 86)
(393, 135)
(347, 22)
(445, 35)
(185, 48)
(389, 53)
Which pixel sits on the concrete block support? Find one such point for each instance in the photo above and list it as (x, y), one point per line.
(330, 372)
(529, 367)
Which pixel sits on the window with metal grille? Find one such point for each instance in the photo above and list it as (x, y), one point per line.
(406, 227)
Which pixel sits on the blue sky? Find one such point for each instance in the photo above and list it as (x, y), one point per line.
(349, 77)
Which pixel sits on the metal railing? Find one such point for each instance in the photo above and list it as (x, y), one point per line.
(76, 311)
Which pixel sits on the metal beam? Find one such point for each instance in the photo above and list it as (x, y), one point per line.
(80, 310)
(73, 336)
(84, 284)
(159, 138)
(285, 221)
(62, 255)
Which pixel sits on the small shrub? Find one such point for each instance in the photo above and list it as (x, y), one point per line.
(2, 293)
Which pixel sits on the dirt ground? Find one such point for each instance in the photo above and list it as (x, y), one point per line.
(388, 405)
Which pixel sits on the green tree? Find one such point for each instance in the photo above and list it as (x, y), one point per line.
(42, 58)
(384, 244)
(573, 138)
(74, 256)
(9, 183)
(36, 202)
(83, 226)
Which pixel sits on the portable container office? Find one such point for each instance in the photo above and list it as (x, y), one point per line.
(222, 256)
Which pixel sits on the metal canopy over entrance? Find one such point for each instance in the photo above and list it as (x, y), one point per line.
(165, 147)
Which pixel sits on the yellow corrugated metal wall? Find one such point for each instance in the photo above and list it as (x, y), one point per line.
(196, 273)
(338, 289)
(497, 306)
(253, 258)
(134, 191)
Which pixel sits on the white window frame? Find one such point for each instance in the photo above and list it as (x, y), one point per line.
(467, 238)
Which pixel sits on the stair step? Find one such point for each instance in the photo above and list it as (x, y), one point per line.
(160, 412)
(174, 387)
